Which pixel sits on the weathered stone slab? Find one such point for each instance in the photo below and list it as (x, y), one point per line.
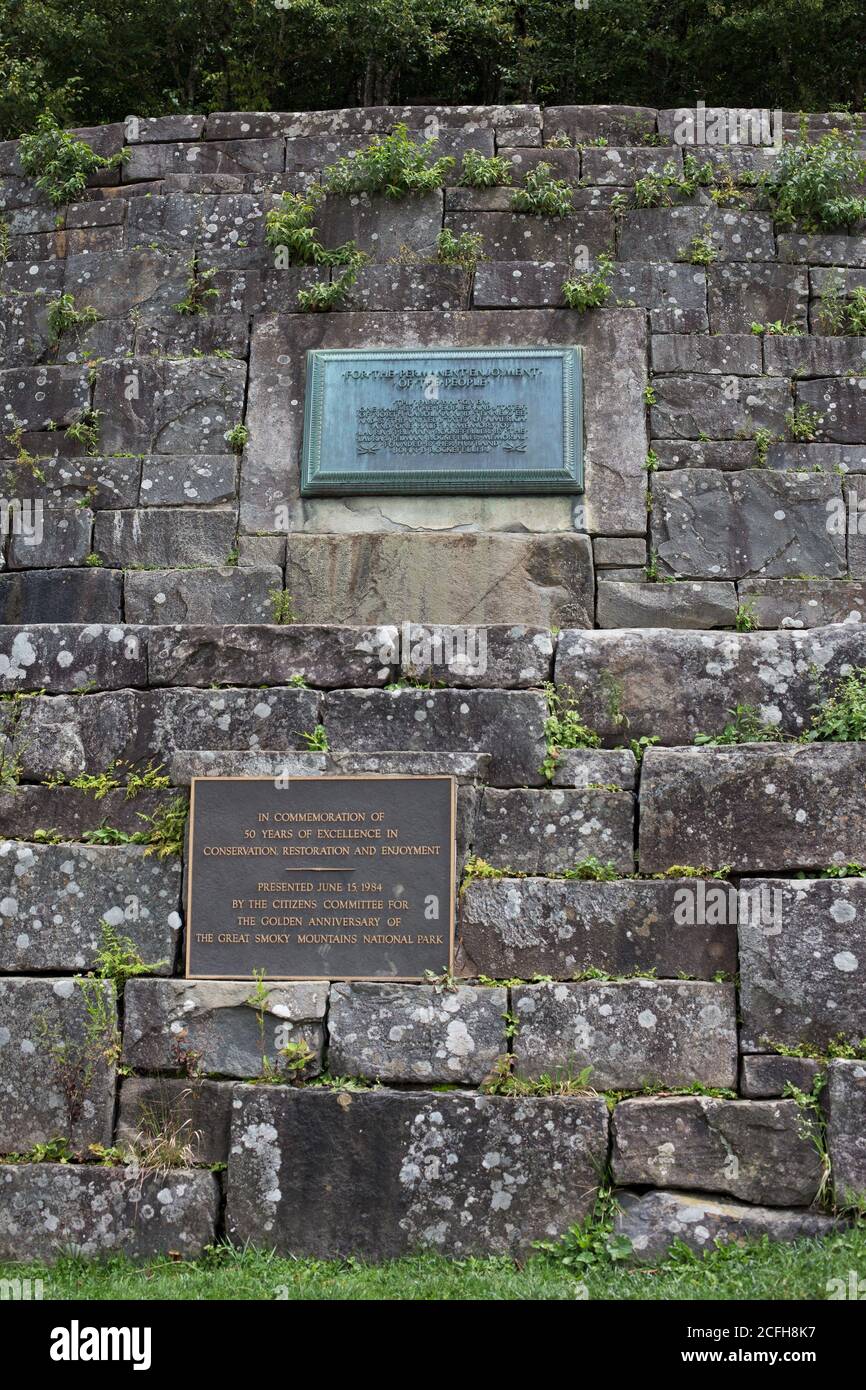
(322, 656)
(548, 831)
(329, 1174)
(70, 811)
(242, 595)
(276, 718)
(714, 806)
(516, 236)
(195, 480)
(348, 515)
(813, 356)
(802, 964)
(116, 283)
(186, 763)
(674, 685)
(653, 1222)
(238, 157)
(714, 525)
(675, 295)
(804, 603)
(495, 656)
(740, 295)
(768, 1074)
(524, 927)
(754, 1150)
(158, 536)
(841, 405)
(697, 407)
(684, 604)
(705, 453)
(507, 724)
(196, 1111)
(623, 165)
(54, 899)
(40, 398)
(633, 1034)
(63, 538)
(63, 657)
(98, 483)
(737, 354)
(210, 1025)
(622, 125)
(421, 287)
(538, 581)
(823, 250)
(181, 407)
(611, 552)
(54, 1079)
(418, 1033)
(52, 1209)
(846, 1129)
(612, 768)
(665, 234)
(381, 226)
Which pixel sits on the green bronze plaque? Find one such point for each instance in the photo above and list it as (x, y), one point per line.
(427, 420)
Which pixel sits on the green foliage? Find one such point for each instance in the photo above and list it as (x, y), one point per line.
(840, 313)
(803, 424)
(593, 870)
(282, 608)
(777, 329)
(842, 717)
(166, 828)
(563, 727)
(746, 619)
(503, 1082)
(812, 1126)
(394, 165)
(63, 317)
(237, 437)
(542, 195)
(746, 726)
(665, 187)
(813, 186)
(327, 295)
(700, 251)
(850, 870)
(640, 745)
(484, 171)
(463, 250)
(60, 164)
(763, 439)
(23, 459)
(591, 289)
(199, 291)
(590, 1243)
(118, 959)
(317, 740)
(85, 430)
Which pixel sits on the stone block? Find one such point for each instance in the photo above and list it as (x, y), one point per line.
(739, 295)
(377, 1175)
(496, 656)
(654, 1221)
(159, 536)
(632, 1034)
(323, 656)
(753, 1150)
(63, 596)
(210, 1025)
(698, 407)
(68, 656)
(761, 807)
(840, 405)
(41, 398)
(846, 1129)
(684, 604)
(524, 927)
(197, 1112)
(55, 1081)
(53, 1209)
(737, 354)
(416, 1033)
(622, 125)
(551, 830)
(508, 724)
(55, 899)
(240, 595)
(665, 234)
(765, 1074)
(802, 956)
(804, 603)
(612, 768)
(181, 407)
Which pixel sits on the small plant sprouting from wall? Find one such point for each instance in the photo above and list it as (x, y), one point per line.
(282, 606)
(842, 313)
(60, 164)
(814, 185)
(590, 290)
(842, 717)
(462, 250)
(237, 437)
(803, 424)
(542, 195)
(64, 317)
(85, 430)
(199, 291)
(317, 740)
(563, 727)
(485, 171)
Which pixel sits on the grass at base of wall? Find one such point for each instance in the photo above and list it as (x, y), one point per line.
(761, 1271)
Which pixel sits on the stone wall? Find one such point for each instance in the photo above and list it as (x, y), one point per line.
(140, 632)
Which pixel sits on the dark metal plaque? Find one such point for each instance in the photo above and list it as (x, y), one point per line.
(308, 878)
(484, 420)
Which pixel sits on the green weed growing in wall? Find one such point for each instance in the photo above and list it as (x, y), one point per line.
(61, 164)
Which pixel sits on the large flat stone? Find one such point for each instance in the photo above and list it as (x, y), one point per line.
(202, 596)
(55, 1080)
(767, 1074)
(163, 407)
(210, 1025)
(846, 1129)
(548, 831)
(701, 604)
(394, 578)
(760, 806)
(802, 963)
(653, 1223)
(54, 899)
(508, 724)
(536, 926)
(674, 685)
(161, 536)
(713, 525)
(195, 1111)
(388, 1173)
(753, 1150)
(62, 596)
(323, 656)
(803, 603)
(632, 1034)
(53, 1209)
(490, 656)
(740, 295)
(417, 1033)
(841, 405)
(67, 657)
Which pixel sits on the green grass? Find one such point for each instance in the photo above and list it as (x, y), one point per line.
(760, 1271)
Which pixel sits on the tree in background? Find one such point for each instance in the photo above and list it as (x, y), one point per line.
(92, 61)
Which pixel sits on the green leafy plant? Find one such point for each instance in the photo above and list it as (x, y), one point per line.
(700, 251)
(289, 228)
(592, 1242)
(812, 1126)
(803, 424)
(394, 165)
(763, 439)
(563, 727)
(591, 289)
(592, 870)
(166, 828)
(502, 1081)
(237, 437)
(327, 295)
(85, 430)
(813, 185)
(199, 290)
(317, 740)
(282, 606)
(542, 195)
(777, 329)
(118, 959)
(63, 317)
(841, 313)
(61, 164)
(746, 726)
(746, 619)
(24, 460)
(484, 171)
(463, 250)
(841, 718)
